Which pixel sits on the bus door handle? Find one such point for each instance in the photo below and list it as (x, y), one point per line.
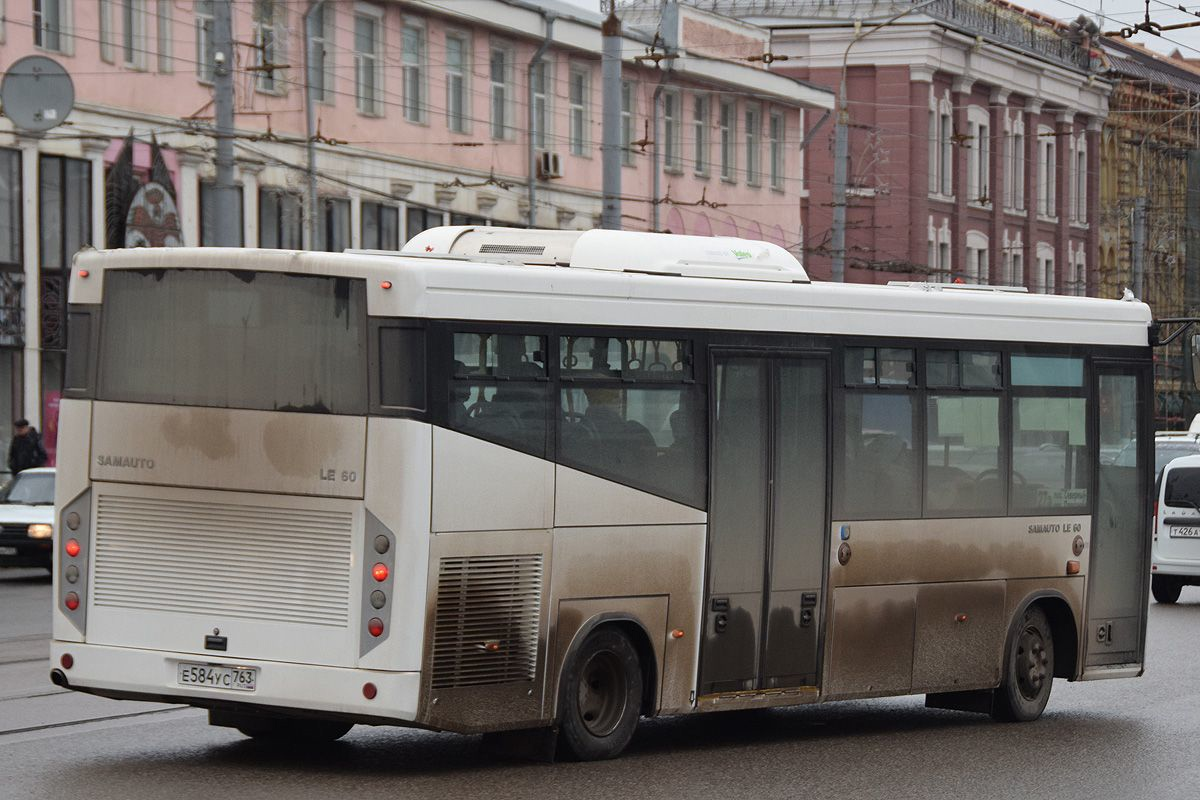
(720, 606)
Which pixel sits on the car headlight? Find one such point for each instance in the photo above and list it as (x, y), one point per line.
(40, 530)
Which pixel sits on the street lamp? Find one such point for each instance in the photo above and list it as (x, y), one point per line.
(841, 156)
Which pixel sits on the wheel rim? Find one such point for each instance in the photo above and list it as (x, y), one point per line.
(1033, 663)
(602, 693)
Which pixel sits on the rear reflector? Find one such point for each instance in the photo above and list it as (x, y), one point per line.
(375, 626)
(369, 691)
(71, 601)
(67, 661)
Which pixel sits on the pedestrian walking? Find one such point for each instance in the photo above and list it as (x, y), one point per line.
(25, 451)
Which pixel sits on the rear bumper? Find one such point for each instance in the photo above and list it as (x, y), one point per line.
(1174, 566)
(306, 689)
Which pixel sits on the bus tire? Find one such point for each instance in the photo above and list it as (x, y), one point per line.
(600, 699)
(1028, 670)
(1165, 588)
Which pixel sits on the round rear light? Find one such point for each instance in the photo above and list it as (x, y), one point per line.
(71, 601)
(369, 691)
(375, 626)
(379, 572)
(72, 547)
(67, 661)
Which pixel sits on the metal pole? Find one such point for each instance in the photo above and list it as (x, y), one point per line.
(533, 62)
(227, 201)
(610, 70)
(310, 126)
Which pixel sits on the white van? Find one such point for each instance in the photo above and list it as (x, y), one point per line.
(1175, 552)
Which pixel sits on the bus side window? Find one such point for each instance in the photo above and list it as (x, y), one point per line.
(499, 390)
(402, 368)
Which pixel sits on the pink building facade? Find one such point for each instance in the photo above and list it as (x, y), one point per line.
(425, 116)
(974, 140)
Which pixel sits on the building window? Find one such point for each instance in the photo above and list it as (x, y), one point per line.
(500, 72)
(335, 224)
(1043, 278)
(1046, 172)
(1080, 184)
(380, 227)
(270, 34)
(367, 51)
(628, 121)
(458, 67)
(1018, 270)
(105, 31)
(10, 210)
(700, 126)
(163, 28)
(579, 98)
(753, 145)
(280, 220)
(935, 182)
(321, 68)
(728, 125)
(946, 146)
(417, 219)
(208, 215)
(1016, 166)
(944, 265)
(133, 33)
(65, 218)
(777, 134)
(977, 259)
(978, 156)
(206, 64)
(51, 26)
(413, 56)
(671, 131)
(542, 85)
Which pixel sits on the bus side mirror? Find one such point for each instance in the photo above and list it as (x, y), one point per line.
(1195, 345)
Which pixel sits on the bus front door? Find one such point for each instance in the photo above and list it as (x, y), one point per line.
(767, 524)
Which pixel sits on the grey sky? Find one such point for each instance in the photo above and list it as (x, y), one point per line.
(1116, 14)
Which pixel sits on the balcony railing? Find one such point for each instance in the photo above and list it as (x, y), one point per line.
(992, 21)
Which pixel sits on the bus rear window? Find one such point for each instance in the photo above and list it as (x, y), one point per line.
(1183, 488)
(225, 339)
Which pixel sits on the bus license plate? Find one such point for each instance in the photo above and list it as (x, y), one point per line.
(1184, 532)
(239, 679)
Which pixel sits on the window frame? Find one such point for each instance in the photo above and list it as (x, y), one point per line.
(270, 41)
(202, 24)
(629, 98)
(579, 110)
(777, 158)
(753, 143)
(322, 45)
(458, 78)
(727, 118)
(369, 60)
(500, 92)
(414, 74)
(701, 122)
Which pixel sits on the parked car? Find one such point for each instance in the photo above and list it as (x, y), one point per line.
(1175, 551)
(1168, 445)
(27, 519)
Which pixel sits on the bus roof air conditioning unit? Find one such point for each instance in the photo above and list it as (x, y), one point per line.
(549, 165)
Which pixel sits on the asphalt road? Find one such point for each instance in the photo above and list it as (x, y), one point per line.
(1106, 739)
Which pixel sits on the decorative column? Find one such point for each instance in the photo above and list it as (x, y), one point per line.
(998, 113)
(248, 177)
(1033, 110)
(921, 82)
(1094, 126)
(1064, 127)
(188, 204)
(961, 98)
(32, 301)
(355, 219)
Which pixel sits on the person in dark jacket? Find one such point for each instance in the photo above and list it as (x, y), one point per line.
(25, 451)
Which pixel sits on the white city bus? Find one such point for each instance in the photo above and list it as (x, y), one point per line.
(558, 481)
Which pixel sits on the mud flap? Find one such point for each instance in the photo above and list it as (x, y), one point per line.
(979, 702)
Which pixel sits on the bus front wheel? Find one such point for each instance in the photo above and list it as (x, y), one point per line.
(1028, 670)
(600, 697)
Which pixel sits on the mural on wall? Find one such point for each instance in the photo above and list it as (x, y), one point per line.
(140, 207)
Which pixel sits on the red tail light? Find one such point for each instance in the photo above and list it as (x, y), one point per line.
(1156, 520)
(379, 572)
(71, 601)
(375, 626)
(72, 548)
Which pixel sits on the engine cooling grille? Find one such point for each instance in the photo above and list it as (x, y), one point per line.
(514, 249)
(486, 621)
(255, 562)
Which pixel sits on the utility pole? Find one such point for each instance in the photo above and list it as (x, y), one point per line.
(610, 72)
(310, 123)
(1139, 245)
(227, 202)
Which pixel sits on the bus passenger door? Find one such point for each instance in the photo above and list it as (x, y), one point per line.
(767, 524)
(1114, 630)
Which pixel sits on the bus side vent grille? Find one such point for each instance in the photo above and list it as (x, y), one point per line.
(486, 623)
(514, 249)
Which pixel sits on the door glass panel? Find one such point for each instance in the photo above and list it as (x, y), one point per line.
(798, 526)
(1116, 583)
(737, 526)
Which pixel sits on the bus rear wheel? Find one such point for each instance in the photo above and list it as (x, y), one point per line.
(1028, 670)
(1165, 588)
(600, 698)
